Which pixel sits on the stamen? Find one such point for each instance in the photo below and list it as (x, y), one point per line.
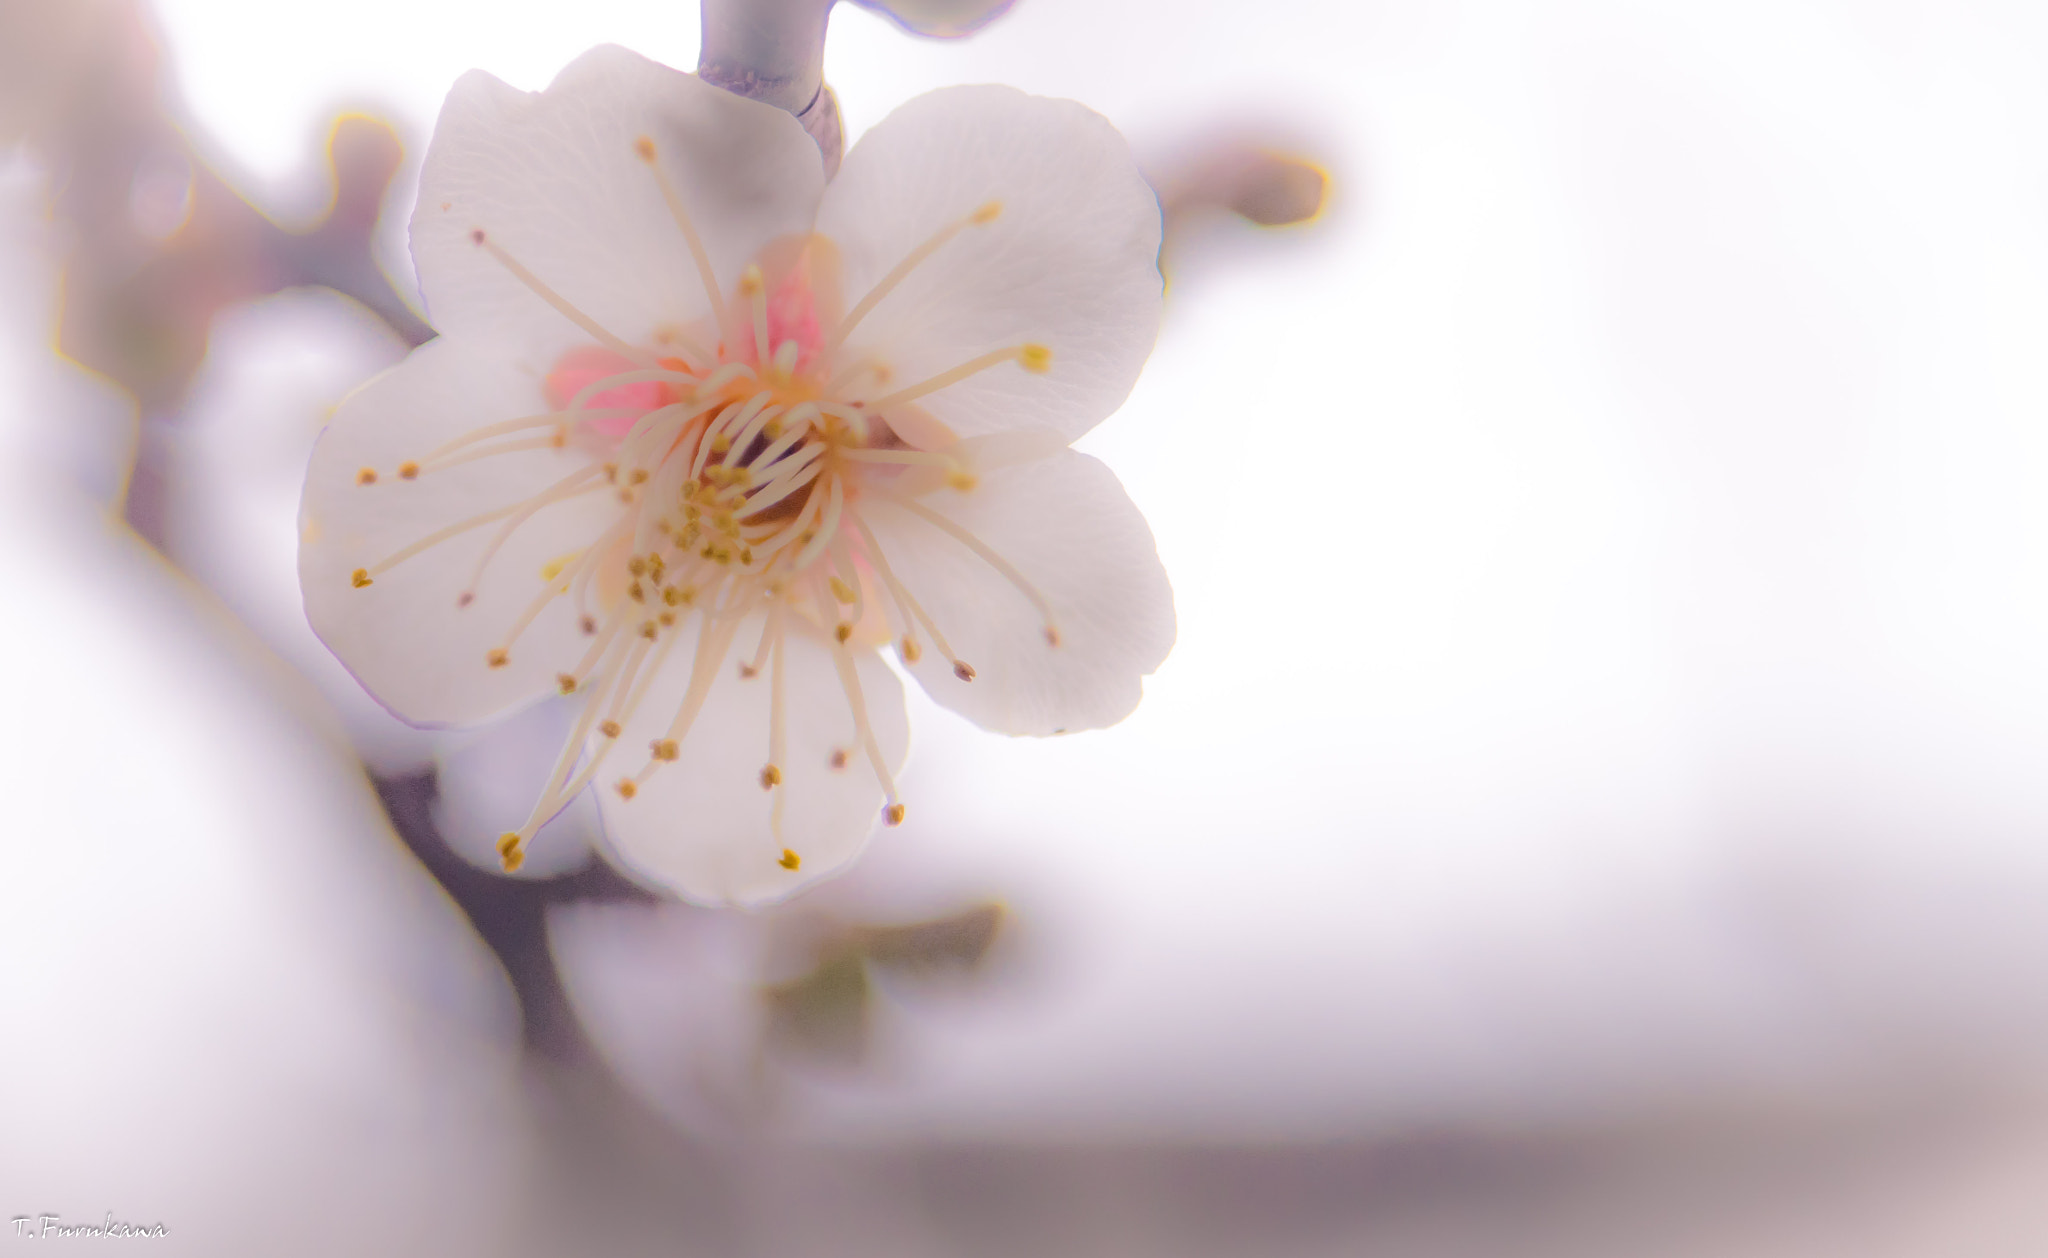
(846, 584)
(621, 710)
(873, 548)
(644, 147)
(864, 454)
(543, 808)
(769, 631)
(771, 776)
(521, 424)
(548, 594)
(988, 556)
(849, 681)
(773, 455)
(367, 476)
(526, 511)
(982, 216)
(560, 487)
(807, 468)
(715, 440)
(561, 304)
(754, 425)
(712, 643)
(755, 289)
(1033, 358)
(828, 526)
(491, 452)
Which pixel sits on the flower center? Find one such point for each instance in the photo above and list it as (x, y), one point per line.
(739, 454)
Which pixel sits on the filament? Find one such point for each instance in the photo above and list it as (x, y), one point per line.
(555, 299)
(986, 214)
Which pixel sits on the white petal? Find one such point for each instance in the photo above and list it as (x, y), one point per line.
(1070, 262)
(1066, 524)
(404, 636)
(274, 371)
(554, 179)
(701, 826)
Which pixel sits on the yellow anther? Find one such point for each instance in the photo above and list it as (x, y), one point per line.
(843, 632)
(771, 777)
(961, 479)
(790, 860)
(627, 788)
(1035, 357)
(667, 618)
(675, 596)
(359, 578)
(664, 749)
(611, 473)
(637, 566)
(610, 729)
(912, 652)
(497, 657)
(748, 672)
(894, 814)
(648, 630)
(509, 853)
(720, 444)
(368, 476)
(841, 590)
(746, 554)
(636, 593)
(750, 280)
(560, 437)
(644, 149)
(408, 470)
(589, 626)
(566, 683)
(639, 476)
(963, 670)
(1052, 635)
(987, 214)
(839, 757)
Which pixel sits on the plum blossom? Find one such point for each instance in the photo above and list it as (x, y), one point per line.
(703, 435)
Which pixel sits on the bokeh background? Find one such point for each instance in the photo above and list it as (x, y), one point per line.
(1597, 805)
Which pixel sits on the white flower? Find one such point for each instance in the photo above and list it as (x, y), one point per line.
(658, 460)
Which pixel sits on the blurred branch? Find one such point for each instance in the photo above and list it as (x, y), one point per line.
(508, 914)
(774, 51)
(1233, 175)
